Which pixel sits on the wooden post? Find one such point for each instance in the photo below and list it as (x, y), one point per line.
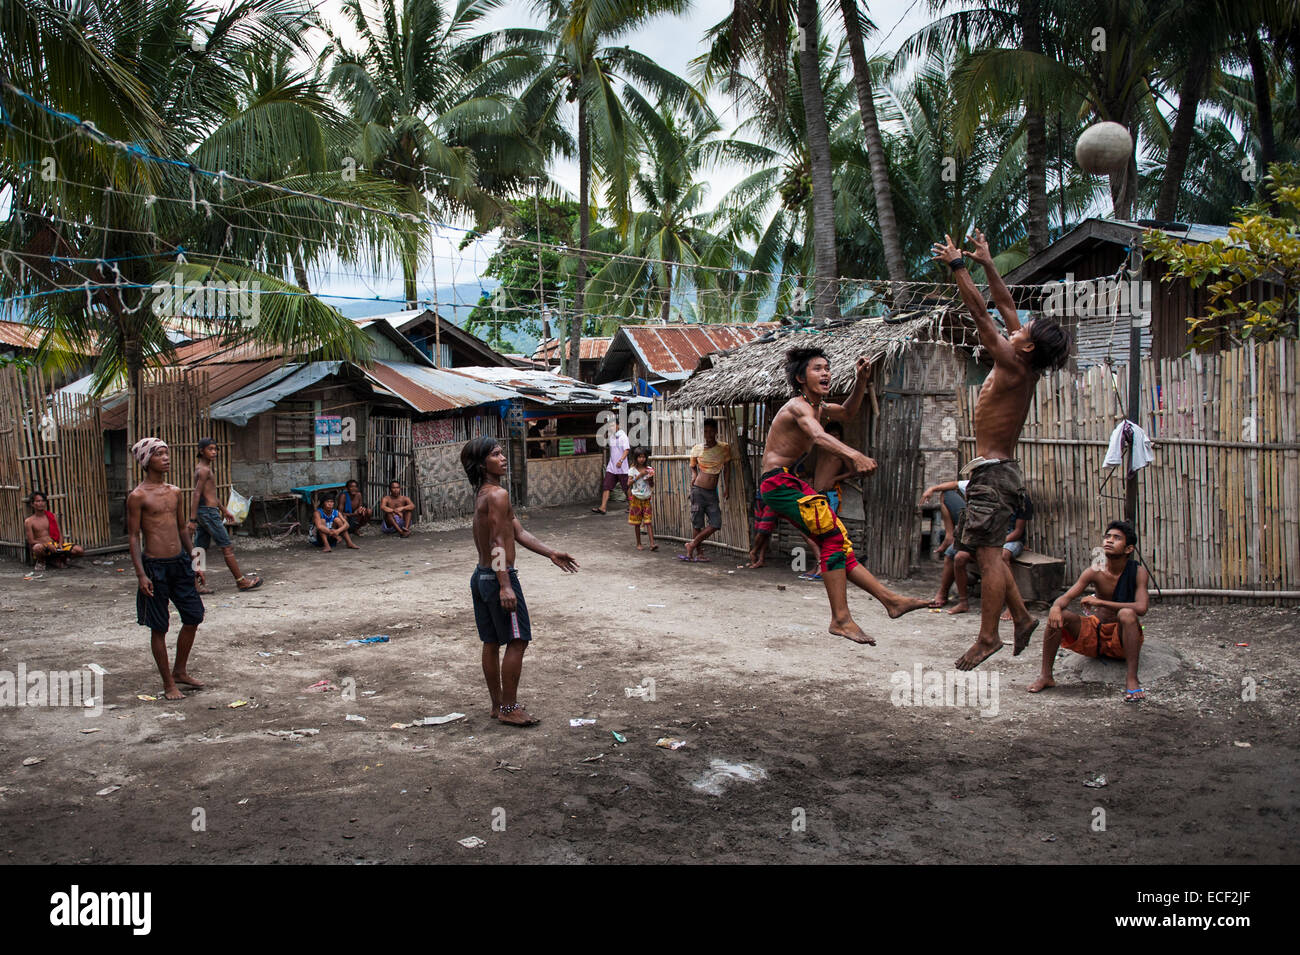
(1134, 384)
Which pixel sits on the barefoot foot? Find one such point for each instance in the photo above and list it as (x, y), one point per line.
(1024, 630)
(1042, 683)
(173, 693)
(851, 631)
(906, 605)
(187, 680)
(1006, 615)
(963, 606)
(977, 654)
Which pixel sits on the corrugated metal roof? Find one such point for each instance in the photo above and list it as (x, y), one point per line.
(249, 402)
(588, 348)
(18, 335)
(671, 352)
(542, 387)
(431, 389)
(22, 335)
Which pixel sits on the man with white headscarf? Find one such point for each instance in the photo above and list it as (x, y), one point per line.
(165, 571)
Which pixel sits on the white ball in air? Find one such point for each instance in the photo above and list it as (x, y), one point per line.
(1103, 148)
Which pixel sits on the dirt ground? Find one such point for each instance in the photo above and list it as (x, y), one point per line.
(741, 669)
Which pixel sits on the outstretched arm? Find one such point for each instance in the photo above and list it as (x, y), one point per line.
(808, 423)
(990, 337)
(556, 557)
(1006, 305)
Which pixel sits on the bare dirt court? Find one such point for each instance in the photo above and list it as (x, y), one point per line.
(742, 670)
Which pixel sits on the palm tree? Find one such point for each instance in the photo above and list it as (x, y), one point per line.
(769, 36)
(771, 206)
(671, 226)
(586, 70)
(1021, 32)
(855, 23)
(179, 80)
(431, 104)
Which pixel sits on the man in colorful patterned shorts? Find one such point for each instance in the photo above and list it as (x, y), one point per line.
(796, 429)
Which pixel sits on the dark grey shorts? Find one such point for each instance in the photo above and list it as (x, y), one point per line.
(705, 506)
(995, 494)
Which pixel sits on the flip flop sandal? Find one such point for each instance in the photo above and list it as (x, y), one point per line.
(596, 510)
(204, 590)
(1131, 696)
(256, 582)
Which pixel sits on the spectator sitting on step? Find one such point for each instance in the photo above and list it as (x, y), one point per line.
(1109, 626)
(329, 526)
(44, 536)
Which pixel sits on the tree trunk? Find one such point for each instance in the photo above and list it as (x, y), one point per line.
(1180, 138)
(667, 295)
(584, 232)
(408, 281)
(300, 271)
(886, 222)
(1263, 100)
(819, 152)
(1035, 133)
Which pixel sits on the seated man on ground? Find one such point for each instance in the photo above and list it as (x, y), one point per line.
(328, 526)
(1111, 627)
(952, 504)
(354, 507)
(398, 511)
(44, 536)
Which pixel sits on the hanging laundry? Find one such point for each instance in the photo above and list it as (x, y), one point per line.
(1143, 449)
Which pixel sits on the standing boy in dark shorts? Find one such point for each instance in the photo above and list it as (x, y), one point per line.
(209, 520)
(996, 489)
(165, 572)
(499, 608)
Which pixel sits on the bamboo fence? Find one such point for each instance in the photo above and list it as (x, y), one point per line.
(175, 406)
(1218, 507)
(53, 443)
(390, 456)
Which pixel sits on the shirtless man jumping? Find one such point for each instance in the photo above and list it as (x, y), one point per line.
(165, 571)
(996, 489)
(795, 430)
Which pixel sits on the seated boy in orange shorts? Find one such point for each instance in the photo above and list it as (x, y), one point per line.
(1111, 628)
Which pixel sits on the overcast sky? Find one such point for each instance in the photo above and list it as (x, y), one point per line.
(670, 41)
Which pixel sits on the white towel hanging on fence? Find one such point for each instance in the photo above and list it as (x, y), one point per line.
(1143, 449)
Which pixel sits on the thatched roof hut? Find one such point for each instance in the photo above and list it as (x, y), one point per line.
(755, 371)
